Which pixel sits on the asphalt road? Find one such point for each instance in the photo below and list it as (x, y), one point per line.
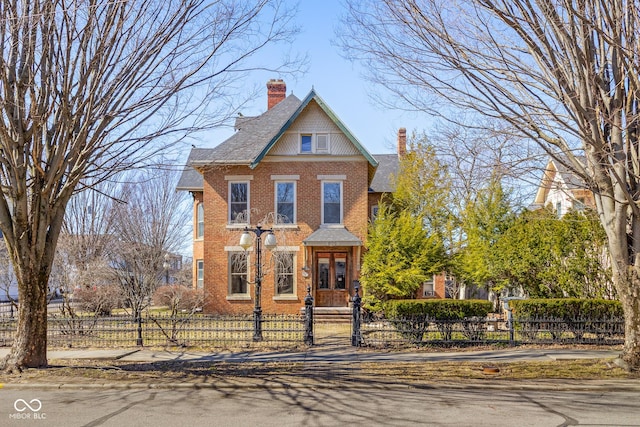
(326, 406)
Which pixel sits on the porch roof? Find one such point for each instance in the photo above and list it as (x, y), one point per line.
(332, 236)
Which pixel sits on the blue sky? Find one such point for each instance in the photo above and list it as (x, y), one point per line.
(337, 81)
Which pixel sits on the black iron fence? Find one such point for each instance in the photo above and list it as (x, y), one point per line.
(420, 331)
(164, 330)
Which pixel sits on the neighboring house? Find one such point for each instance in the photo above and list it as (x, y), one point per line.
(562, 190)
(298, 169)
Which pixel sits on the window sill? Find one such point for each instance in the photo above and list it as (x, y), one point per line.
(237, 226)
(239, 297)
(286, 298)
(286, 226)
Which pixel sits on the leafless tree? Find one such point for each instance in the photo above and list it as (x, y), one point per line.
(81, 260)
(88, 89)
(151, 220)
(183, 302)
(564, 74)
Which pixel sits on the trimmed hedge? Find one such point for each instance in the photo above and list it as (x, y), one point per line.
(604, 318)
(566, 308)
(443, 309)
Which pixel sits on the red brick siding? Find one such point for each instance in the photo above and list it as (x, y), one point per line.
(261, 202)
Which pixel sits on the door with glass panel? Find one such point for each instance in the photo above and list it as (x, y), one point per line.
(332, 276)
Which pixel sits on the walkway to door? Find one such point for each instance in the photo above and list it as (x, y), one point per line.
(332, 334)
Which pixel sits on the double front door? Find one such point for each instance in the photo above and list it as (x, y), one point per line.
(332, 278)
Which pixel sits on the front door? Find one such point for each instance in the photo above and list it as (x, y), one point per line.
(331, 279)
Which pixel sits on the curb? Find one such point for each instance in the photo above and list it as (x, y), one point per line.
(611, 386)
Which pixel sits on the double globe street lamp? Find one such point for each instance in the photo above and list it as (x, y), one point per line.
(246, 241)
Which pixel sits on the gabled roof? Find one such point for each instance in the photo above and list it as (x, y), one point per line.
(257, 135)
(312, 96)
(556, 169)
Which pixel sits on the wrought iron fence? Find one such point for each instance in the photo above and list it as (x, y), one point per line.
(421, 331)
(163, 330)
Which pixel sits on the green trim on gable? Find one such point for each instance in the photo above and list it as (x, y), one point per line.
(313, 96)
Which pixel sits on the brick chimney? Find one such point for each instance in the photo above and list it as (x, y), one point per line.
(402, 142)
(276, 92)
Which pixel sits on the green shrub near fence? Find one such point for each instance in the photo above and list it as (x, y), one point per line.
(568, 317)
(566, 308)
(437, 309)
(411, 318)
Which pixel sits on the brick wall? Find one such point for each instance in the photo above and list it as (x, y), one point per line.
(261, 201)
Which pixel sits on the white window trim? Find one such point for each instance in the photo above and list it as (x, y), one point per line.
(300, 135)
(294, 295)
(294, 220)
(199, 206)
(324, 150)
(229, 220)
(199, 262)
(314, 142)
(332, 181)
(237, 297)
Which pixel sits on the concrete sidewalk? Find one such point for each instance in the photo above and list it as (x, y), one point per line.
(323, 366)
(327, 354)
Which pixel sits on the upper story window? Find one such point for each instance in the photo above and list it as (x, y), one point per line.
(331, 202)
(200, 221)
(322, 142)
(306, 143)
(239, 202)
(286, 202)
(314, 143)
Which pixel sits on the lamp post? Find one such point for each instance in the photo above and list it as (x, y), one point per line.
(246, 242)
(166, 266)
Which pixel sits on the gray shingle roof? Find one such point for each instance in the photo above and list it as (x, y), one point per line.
(249, 141)
(191, 179)
(332, 237)
(388, 165)
(256, 135)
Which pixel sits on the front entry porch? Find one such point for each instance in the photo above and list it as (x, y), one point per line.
(332, 263)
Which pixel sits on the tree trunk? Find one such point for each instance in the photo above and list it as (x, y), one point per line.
(628, 294)
(29, 348)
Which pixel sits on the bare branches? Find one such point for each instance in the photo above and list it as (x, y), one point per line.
(89, 89)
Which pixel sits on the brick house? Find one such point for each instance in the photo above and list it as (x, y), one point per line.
(562, 190)
(296, 169)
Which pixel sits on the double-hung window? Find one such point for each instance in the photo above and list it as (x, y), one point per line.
(331, 202)
(285, 202)
(239, 202)
(200, 221)
(238, 273)
(306, 143)
(200, 274)
(314, 143)
(284, 273)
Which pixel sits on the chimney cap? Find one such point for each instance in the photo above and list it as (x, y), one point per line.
(276, 92)
(402, 141)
